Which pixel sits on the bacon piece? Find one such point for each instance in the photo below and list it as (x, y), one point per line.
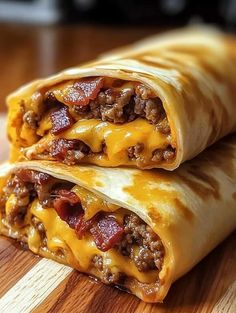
(105, 230)
(81, 92)
(29, 176)
(42, 182)
(59, 149)
(68, 207)
(82, 226)
(70, 196)
(106, 233)
(61, 120)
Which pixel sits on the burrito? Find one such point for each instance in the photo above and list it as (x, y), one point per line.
(154, 104)
(139, 230)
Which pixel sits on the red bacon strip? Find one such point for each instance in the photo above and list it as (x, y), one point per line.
(68, 207)
(106, 233)
(81, 92)
(59, 148)
(42, 182)
(61, 120)
(29, 176)
(84, 225)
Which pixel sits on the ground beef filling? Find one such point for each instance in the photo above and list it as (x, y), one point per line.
(26, 185)
(71, 152)
(116, 102)
(141, 244)
(117, 105)
(107, 276)
(133, 238)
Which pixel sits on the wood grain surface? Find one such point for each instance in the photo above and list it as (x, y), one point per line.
(31, 284)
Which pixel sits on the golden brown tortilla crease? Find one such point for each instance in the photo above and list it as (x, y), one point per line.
(153, 104)
(190, 211)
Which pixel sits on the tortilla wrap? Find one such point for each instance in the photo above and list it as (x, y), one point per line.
(153, 104)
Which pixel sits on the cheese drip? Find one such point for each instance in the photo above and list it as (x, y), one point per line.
(61, 237)
(117, 139)
(60, 242)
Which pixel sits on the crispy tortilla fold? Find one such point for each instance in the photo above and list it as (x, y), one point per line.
(191, 209)
(190, 72)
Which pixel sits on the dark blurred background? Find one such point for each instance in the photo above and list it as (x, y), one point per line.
(148, 12)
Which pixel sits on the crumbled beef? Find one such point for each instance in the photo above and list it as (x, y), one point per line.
(107, 276)
(141, 244)
(151, 109)
(110, 105)
(120, 105)
(157, 156)
(143, 92)
(3, 200)
(41, 230)
(163, 126)
(68, 151)
(24, 193)
(160, 155)
(110, 277)
(169, 154)
(98, 262)
(134, 151)
(26, 185)
(143, 258)
(139, 107)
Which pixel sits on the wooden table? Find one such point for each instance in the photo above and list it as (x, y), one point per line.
(45, 286)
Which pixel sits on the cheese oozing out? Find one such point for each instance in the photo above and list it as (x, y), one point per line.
(117, 139)
(95, 133)
(62, 243)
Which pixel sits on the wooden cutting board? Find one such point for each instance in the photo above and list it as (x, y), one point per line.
(31, 284)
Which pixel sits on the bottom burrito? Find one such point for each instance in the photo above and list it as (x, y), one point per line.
(139, 230)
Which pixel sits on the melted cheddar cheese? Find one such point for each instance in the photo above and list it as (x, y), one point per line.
(108, 142)
(91, 203)
(62, 243)
(61, 237)
(117, 138)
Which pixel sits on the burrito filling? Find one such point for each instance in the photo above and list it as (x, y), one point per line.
(65, 222)
(106, 121)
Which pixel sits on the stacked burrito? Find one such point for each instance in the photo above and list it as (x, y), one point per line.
(110, 169)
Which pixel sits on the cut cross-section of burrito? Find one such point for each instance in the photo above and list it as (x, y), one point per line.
(153, 104)
(140, 230)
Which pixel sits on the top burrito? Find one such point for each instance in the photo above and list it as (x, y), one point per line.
(153, 104)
